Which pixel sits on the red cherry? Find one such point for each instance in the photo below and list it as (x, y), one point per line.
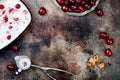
(108, 52)
(103, 35)
(8, 37)
(2, 6)
(60, 1)
(65, 8)
(17, 6)
(80, 9)
(66, 2)
(92, 2)
(42, 11)
(109, 41)
(83, 2)
(72, 1)
(11, 67)
(15, 47)
(78, 1)
(99, 12)
(73, 7)
(87, 6)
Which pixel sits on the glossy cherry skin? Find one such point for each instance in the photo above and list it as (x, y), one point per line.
(80, 9)
(100, 12)
(60, 1)
(109, 41)
(78, 1)
(15, 47)
(66, 2)
(65, 8)
(11, 67)
(87, 6)
(42, 11)
(73, 7)
(108, 52)
(103, 35)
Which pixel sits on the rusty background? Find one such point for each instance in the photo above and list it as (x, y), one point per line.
(65, 42)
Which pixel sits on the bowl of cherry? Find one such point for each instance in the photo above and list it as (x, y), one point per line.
(76, 7)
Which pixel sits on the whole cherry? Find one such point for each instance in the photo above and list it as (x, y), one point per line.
(108, 52)
(65, 8)
(103, 35)
(15, 47)
(109, 41)
(42, 11)
(11, 67)
(99, 12)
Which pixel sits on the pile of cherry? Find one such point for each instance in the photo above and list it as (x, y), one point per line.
(77, 6)
(109, 41)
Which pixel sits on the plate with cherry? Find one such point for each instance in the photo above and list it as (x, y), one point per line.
(14, 19)
(76, 7)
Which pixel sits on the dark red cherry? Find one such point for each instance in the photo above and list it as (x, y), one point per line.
(17, 6)
(78, 1)
(92, 2)
(42, 11)
(103, 35)
(60, 1)
(15, 47)
(87, 6)
(73, 7)
(80, 9)
(65, 8)
(11, 67)
(99, 12)
(109, 41)
(108, 52)
(66, 2)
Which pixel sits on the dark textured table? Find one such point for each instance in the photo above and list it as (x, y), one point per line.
(66, 42)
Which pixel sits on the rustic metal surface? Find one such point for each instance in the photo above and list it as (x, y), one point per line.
(66, 42)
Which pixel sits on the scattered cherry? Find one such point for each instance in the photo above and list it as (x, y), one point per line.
(100, 12)
(2, 6)
(42, 11)
(103, 35)
(109, 41)
(65, 8)
(15, 47)
(108, 52)
(66, 2)
(11, 67)
(17, 6)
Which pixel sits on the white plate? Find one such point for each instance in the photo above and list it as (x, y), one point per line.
(14, 19)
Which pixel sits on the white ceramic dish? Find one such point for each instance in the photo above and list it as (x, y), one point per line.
(77, 14)
(14, 19)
